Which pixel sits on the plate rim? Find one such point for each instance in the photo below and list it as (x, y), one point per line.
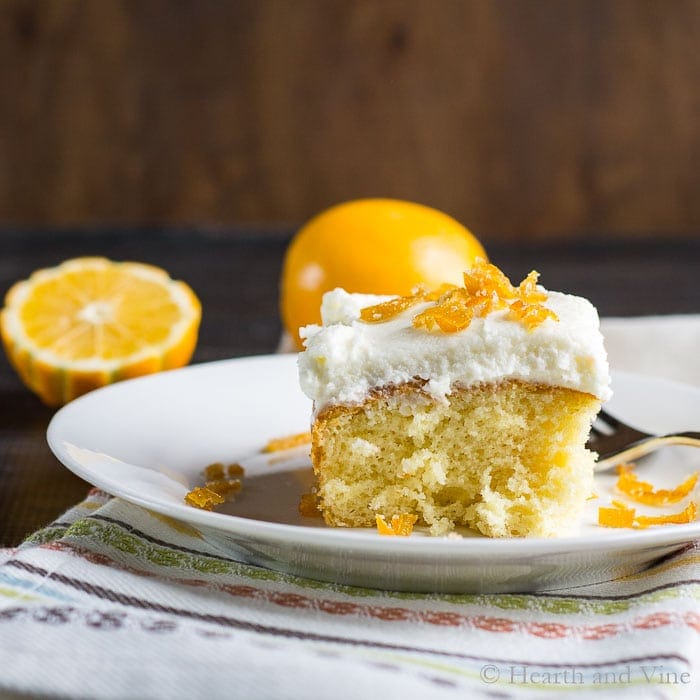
(368, 540)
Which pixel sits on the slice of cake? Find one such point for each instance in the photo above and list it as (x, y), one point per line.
(465, 406)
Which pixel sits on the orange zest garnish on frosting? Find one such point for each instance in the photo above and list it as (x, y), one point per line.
(287, 442)
(401, 525)
(389, 309)
(644, 492)
(486, 289)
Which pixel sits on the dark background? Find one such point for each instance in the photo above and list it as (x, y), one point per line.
(524, 119)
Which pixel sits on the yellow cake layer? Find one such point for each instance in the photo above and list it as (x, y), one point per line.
(506, 459)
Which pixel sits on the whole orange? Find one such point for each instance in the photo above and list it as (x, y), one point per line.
(376, 246)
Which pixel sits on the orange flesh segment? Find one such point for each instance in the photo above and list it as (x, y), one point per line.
(401, 525)
(137, 313)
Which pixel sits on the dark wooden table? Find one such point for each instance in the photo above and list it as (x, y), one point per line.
(235, 273)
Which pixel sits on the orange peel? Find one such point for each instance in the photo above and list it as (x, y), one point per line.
(616, 516)
(644, 492)
(287, 442)
(400, 526)
(687, 515)
(621, 515)
(308, 505)
(204, 498)
(486, 289)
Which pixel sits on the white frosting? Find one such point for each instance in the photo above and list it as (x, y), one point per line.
(345, 358)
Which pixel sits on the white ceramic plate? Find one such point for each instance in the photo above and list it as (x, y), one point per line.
(148, 439)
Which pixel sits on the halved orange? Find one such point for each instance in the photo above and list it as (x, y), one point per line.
(91, 321)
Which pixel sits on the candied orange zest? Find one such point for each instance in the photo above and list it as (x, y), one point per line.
(485, 279)
(214, 471)
(450, 315)
(226, 488)
(617, 516)
(644, 492)
(622, 516)
(687, 515)
(527, 289)
(204, 498)
(287, 442)
(435, 294)
(235, 469)
(530, 315)
(401, 525)
(486, 289)
(308, 505)
(386, 310)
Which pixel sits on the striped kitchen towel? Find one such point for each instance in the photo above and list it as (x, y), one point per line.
(115, 601)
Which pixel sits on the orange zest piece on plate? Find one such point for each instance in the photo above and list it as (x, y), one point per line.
(486, 289)
(235, 469)
(91, 321)
(687, 515)
(401, 525)
(622, 516)
(225, 487)
(217, 488)
(287, 442)
(214, 493)
(204, 498)
(214, 471)
(308, 505)
(644, 492)
(617, 516)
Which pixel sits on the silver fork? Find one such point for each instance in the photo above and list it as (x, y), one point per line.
(621, 442)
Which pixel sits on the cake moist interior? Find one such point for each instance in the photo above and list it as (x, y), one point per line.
(506, 459)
